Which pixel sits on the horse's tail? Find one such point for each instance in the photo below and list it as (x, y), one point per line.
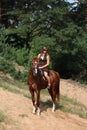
(58, 93)
(58, 88)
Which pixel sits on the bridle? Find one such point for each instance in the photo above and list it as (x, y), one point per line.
(36, 69)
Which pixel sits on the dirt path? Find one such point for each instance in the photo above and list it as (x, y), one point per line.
(19, 109)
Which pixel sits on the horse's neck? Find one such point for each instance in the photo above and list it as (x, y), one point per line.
(39, 77)
(31, 71)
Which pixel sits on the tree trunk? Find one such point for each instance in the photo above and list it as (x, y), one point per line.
(86, 19)
(0, 14)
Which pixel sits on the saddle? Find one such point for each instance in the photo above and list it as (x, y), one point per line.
(42, 73)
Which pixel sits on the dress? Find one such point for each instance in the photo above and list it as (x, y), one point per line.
(43, 61)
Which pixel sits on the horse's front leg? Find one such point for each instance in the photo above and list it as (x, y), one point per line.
(33, 100)
(38, 102)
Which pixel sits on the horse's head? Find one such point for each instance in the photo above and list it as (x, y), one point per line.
(35, 66)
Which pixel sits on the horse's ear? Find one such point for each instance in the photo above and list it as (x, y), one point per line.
(35, 59)
(32, 59)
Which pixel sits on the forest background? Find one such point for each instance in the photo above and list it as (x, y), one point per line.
(28, 25)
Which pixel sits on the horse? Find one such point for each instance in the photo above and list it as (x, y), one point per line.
(37, 82)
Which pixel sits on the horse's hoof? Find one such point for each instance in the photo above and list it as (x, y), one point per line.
(38, 114)
(53, 110)
(38, 111)
(34, 112)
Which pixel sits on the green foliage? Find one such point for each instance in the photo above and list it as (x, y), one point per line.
(3, 36)
(22, 56)
(7, 51)
(22, 76)
(83, 80)
(38, 43)
(9, 55)
(73, 51)
(6, 66)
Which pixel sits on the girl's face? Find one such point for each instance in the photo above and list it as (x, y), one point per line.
(44, 51)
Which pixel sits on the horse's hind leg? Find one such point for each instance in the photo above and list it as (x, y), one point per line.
(53, 96)
(50, 92)
(54, 101)
(58, 93)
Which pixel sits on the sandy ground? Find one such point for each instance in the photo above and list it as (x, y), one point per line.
(19, 110)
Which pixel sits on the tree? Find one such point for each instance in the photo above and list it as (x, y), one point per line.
(53, 23)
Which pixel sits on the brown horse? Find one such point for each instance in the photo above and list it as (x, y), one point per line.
(37, 82)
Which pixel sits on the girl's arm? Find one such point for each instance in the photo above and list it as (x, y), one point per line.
(47, 64)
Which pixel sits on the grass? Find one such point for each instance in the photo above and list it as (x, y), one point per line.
(12, 85)
(19, 84)
(2, 117)
(72, 106)
(68, 105)
(23, 115)
(9, 88)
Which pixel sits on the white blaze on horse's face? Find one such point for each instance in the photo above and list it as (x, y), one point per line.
(35, 70)
(35, 65)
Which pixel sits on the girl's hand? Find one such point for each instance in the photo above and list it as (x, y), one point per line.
(40, 67)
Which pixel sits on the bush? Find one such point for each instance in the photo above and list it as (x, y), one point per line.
(22, 76)
(22, 56)
(10, 53)
(6, 67)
